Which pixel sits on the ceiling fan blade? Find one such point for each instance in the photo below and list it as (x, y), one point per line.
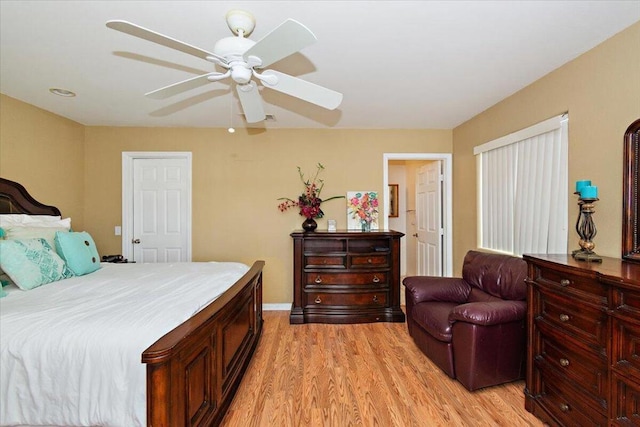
(290, 37)
(185, 85)
(302, 89)
(251, 102)
(152, 36)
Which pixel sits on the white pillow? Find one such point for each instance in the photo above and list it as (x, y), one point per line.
(66, 222)
(16, 219)
(46, 233)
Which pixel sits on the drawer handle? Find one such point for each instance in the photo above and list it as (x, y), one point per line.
(318, 300)
(564, 317)
(324, 261)
(564, 407)
(369, 260)
(375, 298)
(565, 282)
(318, 279)
(564, 362)
(375, 279)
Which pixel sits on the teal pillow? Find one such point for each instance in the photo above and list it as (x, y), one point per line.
(4, 279)
(3, 293)
(31, 263)
(79, 251)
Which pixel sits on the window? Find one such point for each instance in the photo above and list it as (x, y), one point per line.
(523, 190)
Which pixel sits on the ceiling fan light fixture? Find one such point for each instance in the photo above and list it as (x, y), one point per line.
(241, 23)
(241, 74)
(62, 92)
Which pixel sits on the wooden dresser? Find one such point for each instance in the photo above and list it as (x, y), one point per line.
(346, 277)
(583, 357)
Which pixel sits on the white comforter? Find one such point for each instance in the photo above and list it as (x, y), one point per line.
(70, 351)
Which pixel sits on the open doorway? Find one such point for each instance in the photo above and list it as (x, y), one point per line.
(404, 169)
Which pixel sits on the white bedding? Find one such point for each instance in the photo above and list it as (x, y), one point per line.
(70, 351)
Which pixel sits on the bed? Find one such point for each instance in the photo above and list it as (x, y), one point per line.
(193, 370)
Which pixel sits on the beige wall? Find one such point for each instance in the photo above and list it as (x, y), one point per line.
(237, 179)
(601, 92)
(45, 153)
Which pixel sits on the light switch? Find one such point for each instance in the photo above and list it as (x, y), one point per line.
(118, 230)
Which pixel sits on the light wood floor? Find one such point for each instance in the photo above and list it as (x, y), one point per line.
(360, 375)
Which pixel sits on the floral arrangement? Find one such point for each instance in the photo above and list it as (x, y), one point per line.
(309, 201)
(363, 207)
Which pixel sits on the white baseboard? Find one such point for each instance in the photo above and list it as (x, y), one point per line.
(277, 307)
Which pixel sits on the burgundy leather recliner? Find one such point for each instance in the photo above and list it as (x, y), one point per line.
(473, 327)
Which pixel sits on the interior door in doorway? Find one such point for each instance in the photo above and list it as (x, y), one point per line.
(430, 231)
(161, 215)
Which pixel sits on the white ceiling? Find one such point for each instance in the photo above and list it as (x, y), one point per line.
(399, 64)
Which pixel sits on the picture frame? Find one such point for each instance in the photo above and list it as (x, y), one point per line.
(393, 201)
(362, 210)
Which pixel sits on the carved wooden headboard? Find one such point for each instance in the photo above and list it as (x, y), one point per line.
(14, 198)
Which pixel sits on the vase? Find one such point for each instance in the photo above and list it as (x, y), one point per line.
(366, 225)
(309, 224)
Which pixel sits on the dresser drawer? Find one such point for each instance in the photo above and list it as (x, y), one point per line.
(368, 261)
(626, 347)
(626, 407)
(359, 246)
(585, 288)
(324, 245)
(360, 299)
(566, 403)
(586, 323)
(585, 369)
(627, 302)
(337, 279)
(331, 261)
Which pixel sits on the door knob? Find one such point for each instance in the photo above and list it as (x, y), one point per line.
(415, 234)
(135, 241)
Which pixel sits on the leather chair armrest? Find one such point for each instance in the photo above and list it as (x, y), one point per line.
(489, 313)
(428, 288)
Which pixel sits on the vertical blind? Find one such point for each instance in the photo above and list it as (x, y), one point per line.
(523, 190)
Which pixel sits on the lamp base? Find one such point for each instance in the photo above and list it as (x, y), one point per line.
(582, 255)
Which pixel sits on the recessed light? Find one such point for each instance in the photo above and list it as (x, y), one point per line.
(62, 92)
(231, 130)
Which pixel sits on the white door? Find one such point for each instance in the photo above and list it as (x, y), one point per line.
(161, 210)
(430, 231)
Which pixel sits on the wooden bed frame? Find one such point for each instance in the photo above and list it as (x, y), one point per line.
(193, 371)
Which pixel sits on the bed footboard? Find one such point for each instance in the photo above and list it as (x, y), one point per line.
(194, 370)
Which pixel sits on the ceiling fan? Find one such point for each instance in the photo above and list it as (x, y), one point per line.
(242, 58)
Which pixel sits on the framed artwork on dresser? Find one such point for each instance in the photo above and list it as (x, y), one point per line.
(393, 200)
(362, 210)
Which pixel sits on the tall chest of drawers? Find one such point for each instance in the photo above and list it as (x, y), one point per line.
(346, 277)
(583, 361)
